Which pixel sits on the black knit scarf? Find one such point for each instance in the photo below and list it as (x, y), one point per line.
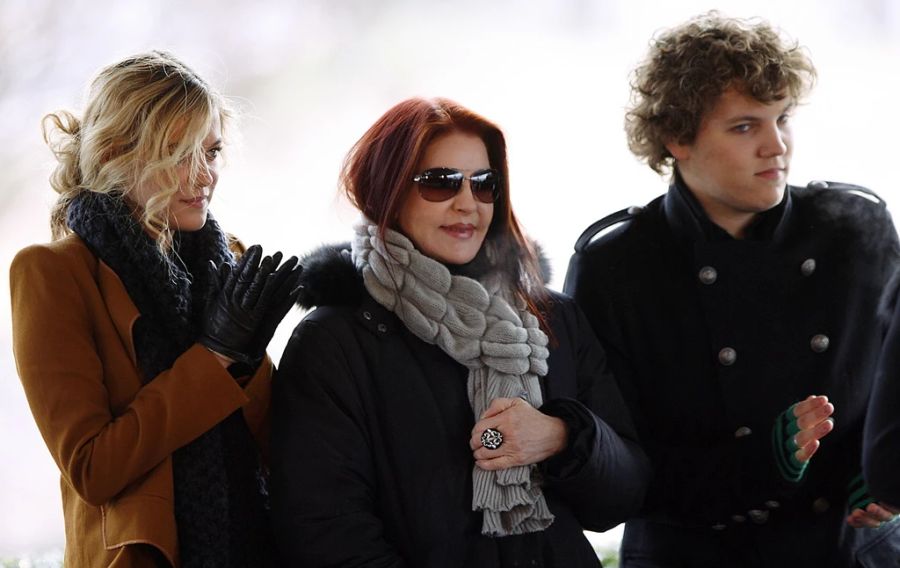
(219, 508)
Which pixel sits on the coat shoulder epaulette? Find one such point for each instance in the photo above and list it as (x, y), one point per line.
(858, 190)
(598, 226)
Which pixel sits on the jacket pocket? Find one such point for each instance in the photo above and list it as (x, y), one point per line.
(144, 514)
(879, 548)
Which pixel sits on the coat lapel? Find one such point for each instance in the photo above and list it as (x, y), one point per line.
(122, 310)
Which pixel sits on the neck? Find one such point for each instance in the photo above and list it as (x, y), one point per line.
(733, 221)
(735, 224)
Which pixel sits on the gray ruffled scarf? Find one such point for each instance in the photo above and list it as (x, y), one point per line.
(479, 325)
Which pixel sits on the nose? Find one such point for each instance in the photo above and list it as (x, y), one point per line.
(774, 143)
(464, 200)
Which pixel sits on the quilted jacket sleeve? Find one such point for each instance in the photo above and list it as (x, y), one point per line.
(324, 507)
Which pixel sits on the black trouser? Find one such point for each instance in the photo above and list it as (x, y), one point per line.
(803, 541)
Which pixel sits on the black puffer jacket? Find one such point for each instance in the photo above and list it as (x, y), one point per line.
(371, 458)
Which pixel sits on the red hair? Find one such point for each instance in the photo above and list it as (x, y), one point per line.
(378, 171)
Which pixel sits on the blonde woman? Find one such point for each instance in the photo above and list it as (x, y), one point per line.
(144, 364)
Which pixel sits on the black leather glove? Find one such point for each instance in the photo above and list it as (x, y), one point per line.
(248, 303)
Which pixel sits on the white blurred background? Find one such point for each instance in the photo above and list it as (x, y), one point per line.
(312, 75)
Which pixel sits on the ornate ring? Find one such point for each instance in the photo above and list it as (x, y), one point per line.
(491, 439)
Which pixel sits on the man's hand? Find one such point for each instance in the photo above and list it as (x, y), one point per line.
(872, 517)
(814, 421)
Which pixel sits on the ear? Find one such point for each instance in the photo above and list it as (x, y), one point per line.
(679, 151)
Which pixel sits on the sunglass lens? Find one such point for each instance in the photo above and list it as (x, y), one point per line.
(486, 185)
(439, 184)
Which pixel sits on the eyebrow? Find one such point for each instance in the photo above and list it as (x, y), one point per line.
(745, 118)
(755, 118)
(217, 142)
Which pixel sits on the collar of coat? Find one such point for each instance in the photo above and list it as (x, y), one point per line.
(688, 220)
(330, 278)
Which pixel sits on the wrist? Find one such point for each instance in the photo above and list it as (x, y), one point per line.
(222, 359)
(560, 434)
(858, 493)
(784, 447)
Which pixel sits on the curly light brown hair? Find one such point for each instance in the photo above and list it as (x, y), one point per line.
(689, 67)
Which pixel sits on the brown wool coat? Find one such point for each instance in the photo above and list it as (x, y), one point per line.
(111, 436)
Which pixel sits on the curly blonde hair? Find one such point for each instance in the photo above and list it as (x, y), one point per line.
(689, 67)
(144, 116)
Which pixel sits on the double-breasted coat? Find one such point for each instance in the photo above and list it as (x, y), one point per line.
(371, 464)
(111, 436)
(711, 338)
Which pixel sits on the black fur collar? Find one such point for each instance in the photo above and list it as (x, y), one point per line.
(330, 279)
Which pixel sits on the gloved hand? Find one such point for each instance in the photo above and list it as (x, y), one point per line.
(247, 303)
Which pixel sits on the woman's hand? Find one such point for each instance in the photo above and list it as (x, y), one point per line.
(246, 304)
(529, 436)
(813, 420)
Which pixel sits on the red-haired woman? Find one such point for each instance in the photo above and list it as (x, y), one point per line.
(441, 407)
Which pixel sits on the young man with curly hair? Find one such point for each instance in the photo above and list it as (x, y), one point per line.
(739, 313)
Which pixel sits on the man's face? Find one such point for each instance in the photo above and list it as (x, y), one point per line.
(738, 163)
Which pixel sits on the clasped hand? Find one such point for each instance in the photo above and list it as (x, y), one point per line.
(246, 302)
(814, 423)
(529, 436)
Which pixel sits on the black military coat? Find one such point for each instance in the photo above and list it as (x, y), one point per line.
(371, 463)
(710, 338)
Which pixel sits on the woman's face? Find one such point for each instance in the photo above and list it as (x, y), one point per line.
(450, 231)
(188, 208)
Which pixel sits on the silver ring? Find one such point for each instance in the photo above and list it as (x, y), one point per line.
(491, 439)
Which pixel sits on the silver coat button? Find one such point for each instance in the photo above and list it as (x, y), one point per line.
(382, 328)
(772, 504)
(727, 356)
(820, 505)
(708, 275)
(738, 518)
(367, 315)
(718, 527)
(808, 266)
(758, 516)
(819, 343)
(635, 209)
(818, 184)
(742, 431)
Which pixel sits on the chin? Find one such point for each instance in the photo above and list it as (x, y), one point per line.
(194, 223)
(777, 198)
(454, 257)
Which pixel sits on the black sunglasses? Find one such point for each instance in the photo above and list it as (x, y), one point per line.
(441, 184)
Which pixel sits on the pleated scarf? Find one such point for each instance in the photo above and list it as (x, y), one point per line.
(481, 326)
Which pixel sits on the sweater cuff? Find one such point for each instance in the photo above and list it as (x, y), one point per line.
(784, 446)
(858, 492)
(242, 371)
(580, 427)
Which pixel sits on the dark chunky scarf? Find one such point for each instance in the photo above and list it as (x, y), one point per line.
(218, 502)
